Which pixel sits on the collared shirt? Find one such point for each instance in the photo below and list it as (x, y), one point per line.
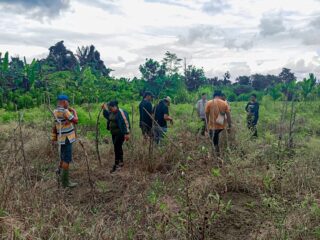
(145, 109)
(63, 126)
(201, 108)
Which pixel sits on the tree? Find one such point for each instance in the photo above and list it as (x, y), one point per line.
(172, 63)
(240, 89)
(275, 91)
(154, 74)
(89, 57)
(60, 58)
(259, 82)
(286, 76)
(194, 77)
(307, 85)
(243, 80)
(226, 79)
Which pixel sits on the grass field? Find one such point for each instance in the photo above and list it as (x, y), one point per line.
(261, 188)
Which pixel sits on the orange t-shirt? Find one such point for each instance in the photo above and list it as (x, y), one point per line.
(214, 107)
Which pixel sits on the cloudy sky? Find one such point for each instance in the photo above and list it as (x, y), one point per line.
(242, 36)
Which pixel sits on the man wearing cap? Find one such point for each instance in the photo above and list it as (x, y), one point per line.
(217, 117)
(145, 109)
(161, 115)
(201, 105)
(63, 132)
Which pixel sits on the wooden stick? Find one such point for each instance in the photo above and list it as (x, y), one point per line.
(87, 163)
(97, 137)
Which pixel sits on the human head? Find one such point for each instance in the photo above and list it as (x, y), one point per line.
(253, 97)
(148, 96)
(217, 94)
(113, 106)
(223, 97)
(167, 100)
(204, 96)
(63, 100)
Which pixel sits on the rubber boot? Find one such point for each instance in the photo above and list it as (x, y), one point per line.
(65, 179)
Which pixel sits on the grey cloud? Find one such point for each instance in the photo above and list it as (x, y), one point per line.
(271, 25)
(239, 69)
(311, 34)
(170, 2)
(110, 6)
(43, 37)
(215, 6)
(233, 43)
(35, 8)
(120, 59)
(202, 33)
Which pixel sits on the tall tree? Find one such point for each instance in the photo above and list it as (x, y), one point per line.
(154, 74)
(226, 79)
(60, 58)
(194, 77)
(286, 76)
(172, 63)
(307, 85)
(243, 80)
(90, 57)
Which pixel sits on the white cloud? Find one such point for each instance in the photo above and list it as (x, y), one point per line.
(244, 36)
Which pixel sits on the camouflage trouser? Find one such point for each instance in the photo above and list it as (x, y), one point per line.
(252, 126)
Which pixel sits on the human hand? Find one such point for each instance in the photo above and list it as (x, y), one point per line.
(126, 137)
(104, 106)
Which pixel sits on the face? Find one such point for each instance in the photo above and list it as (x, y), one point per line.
(253, 98)
(149, 98)
(204, 97)
(113, 109)
(63, 103)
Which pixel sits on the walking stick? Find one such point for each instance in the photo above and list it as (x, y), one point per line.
(97, 137)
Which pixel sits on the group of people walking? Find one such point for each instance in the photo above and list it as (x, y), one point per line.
(215, 115)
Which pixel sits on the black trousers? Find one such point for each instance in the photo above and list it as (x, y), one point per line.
(214, 134)
(118, 141)
(252, 126)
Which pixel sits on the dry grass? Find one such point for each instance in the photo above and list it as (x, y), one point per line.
(173, 192)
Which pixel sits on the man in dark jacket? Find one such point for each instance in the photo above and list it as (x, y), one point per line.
(145, 109)
(252, 110)
(118, 124)
(161, 115)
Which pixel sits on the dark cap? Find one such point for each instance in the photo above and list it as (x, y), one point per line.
(148, 93)
(63, 97)
(217, 93)
(113, 103)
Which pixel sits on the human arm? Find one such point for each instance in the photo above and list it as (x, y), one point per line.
(75, 118)
(166, 116)
(105, 111)
(256, 114)
(198, 108)
(247, 108)
(71, 115)
(54, 134)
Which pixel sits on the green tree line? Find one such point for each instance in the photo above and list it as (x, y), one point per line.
(86, 79)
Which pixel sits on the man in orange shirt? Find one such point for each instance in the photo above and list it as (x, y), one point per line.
(217, 117)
